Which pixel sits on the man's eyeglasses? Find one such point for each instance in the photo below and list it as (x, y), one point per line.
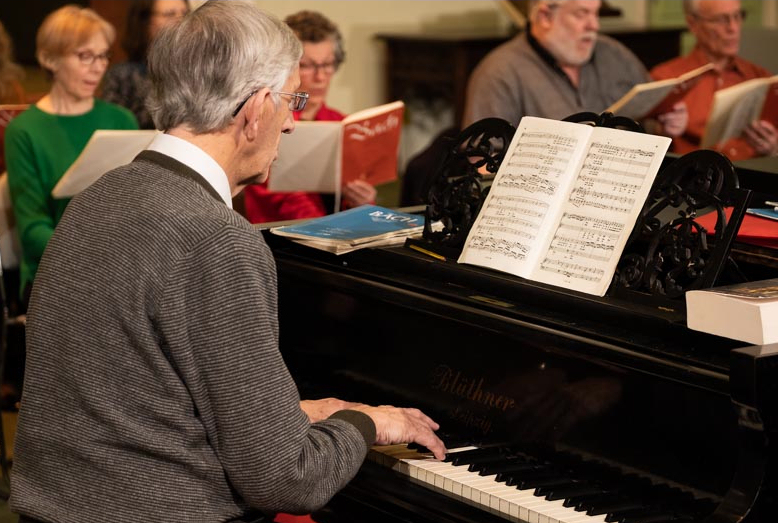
(327, 68)
(296, 104)
(724, 19)
(88, 57)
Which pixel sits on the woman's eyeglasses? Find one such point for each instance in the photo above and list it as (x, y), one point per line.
(310, 69)
(88, 57)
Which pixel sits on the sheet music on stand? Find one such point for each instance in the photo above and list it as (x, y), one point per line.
(563, 203)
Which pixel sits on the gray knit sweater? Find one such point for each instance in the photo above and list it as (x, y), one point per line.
(155, 390)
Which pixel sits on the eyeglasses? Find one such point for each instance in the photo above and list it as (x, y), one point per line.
(88, 57)
(327, 68)
(724, 19)
(296, 104)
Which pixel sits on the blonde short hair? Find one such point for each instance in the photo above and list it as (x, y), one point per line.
(66, 29)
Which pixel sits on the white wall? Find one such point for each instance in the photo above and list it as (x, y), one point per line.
(360, 82)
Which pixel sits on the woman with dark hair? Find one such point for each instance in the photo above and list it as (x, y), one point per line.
(127, 84)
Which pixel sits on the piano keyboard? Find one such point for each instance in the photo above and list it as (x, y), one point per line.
(516, 491)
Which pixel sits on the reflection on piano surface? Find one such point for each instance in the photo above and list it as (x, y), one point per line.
(592, 409)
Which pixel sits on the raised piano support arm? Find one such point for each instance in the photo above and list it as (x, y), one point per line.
(754, 489)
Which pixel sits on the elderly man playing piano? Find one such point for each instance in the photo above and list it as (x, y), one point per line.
(155, 390)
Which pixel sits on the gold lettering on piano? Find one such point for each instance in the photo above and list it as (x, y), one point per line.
(452, 381)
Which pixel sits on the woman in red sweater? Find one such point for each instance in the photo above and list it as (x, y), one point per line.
(322, 55)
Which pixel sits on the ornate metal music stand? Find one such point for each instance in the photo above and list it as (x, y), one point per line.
(606, 119)
(461, 183)
(668, 253)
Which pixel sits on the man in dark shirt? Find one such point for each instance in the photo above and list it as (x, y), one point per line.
(557, 67)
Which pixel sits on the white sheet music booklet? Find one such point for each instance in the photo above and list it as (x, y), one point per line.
(564, 202)
(105, 150)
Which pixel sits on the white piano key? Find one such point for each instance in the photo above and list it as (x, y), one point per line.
(484, 492)
(539, 509)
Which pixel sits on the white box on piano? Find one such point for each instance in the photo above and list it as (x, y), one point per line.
(746, 312)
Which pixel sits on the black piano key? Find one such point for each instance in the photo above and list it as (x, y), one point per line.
(616, 506)
(520, 479)
(656, 517)
(469, 456)
(585, 502)
(505, 477)
(544, 490)
(540, 481)
(574, 490)
(541, 484)
(475, 463)
(619, 516)
(487, 469)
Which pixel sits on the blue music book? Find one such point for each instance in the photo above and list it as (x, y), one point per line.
(770, 214)
(363, 224)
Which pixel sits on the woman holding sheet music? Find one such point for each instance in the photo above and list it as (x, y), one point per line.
(72, 46)
(322, 55)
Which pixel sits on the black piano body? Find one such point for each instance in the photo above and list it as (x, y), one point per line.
(498, 360)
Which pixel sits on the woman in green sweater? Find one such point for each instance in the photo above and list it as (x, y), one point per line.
(41, 143)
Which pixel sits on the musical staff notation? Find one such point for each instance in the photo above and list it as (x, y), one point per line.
(610, 177)
(573, 270)
(563, 203)
(501, 246)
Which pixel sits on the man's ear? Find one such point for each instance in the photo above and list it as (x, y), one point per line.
(545, 15)
(691, 23)
(256, 111)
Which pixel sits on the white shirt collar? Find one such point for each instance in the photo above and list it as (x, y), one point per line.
(197, 159)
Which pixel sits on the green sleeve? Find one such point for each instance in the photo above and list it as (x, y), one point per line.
(34, 220)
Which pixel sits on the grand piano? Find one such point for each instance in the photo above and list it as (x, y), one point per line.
(564, 407)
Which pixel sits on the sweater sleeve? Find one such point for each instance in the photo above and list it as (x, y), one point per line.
(219, 323)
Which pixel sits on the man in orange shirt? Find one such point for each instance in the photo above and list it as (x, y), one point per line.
(717, 26)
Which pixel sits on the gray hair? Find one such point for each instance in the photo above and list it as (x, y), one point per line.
(690, 6)
(202, 67)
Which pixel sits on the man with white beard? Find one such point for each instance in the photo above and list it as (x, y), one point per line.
(557, 67)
